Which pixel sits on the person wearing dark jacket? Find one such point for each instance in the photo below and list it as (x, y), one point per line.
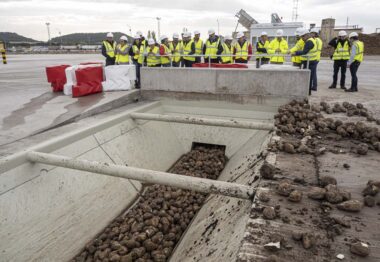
(261, 48)
(108, 49)
(135, 54)
(211, 47)
(188, 50)
(310, 50)
(341, 56)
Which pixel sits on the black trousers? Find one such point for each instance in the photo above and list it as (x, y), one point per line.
(354, 78)
(137, 73)
(188, 63)
(264, 61)
(342, 65)
(212, 60)
(176, 64)
(241, 61)
(110, 61)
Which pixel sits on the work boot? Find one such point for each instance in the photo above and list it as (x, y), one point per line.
(349, 90)
(343, 87)
(332, 86)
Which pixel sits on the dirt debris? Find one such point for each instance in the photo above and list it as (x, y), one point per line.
(360, 249)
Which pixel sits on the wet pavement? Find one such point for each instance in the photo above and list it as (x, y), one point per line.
(27, 104)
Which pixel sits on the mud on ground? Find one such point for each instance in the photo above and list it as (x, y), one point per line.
(318, 196)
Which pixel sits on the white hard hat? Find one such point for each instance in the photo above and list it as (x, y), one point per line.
(342, 33)
(239, 35)
(279, 32)
(139, 33)
(163, 37)
(228, 37)
(211, 31)
(314, 30)
(176, 35)
(109, 34)
(298, 30)
(137, 36)
(186, 34)
(124, 38)
(303, 32)
(151, 41)
(196, 32)
(264, 33)
(353, 34)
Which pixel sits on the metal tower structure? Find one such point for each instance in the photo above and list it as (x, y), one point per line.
(295, 11)
(48, 29)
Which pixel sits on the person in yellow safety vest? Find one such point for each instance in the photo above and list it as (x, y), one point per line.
(278, 46)
(176, 47)
(211, 47)
(356, 57)
(108, 49)
(296, 60)
(315, 34)
(135, 58)
(198, 46)
(227, 50)
(153, 54)
(165, 52)
(341, 56)
(142, 39)
(309, 50)
(122, 51)
(188, 50)
(242, 49)
(262, 48)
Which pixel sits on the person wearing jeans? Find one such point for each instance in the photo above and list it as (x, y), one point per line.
(356, 57)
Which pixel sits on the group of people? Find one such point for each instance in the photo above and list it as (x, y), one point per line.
(306, 53)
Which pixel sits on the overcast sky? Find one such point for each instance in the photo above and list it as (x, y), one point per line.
(28, 17)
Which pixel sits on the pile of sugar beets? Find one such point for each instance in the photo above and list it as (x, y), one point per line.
(302, 120)
(151, 229)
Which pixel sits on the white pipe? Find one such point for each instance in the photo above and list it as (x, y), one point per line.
(145, 175)
(204, 121)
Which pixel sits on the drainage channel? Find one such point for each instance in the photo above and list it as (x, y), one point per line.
(154, 225)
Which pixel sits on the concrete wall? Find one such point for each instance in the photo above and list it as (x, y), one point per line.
(50, 213)
(275, 83)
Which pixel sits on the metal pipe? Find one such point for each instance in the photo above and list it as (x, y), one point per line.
(145, 175)
(204, 121)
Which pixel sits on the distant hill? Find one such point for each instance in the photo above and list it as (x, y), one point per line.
(85, 38)
(13, 37)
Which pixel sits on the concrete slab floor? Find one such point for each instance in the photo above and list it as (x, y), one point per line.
(27, 104)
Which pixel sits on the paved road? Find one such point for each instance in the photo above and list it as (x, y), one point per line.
(27, 105)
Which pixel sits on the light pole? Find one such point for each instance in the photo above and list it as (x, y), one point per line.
(48, 29)
(217, 20)
(130, 30)
(158, 26)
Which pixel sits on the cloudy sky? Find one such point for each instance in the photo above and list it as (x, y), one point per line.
(28, 17)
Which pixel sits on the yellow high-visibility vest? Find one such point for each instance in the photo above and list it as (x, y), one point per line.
(319, 48)
(165, 60)
(141, 58)
(298, 47)
(273, 46)
(211, 49)
(261, 45)
(227, 51)
(176, 51)
(153, 59)
(110, 49)
(198, 47)
(359, 51)
(136, 52)
(241, 52)
(312, 55)
(342, 52)
(122, 59)
(187, 50)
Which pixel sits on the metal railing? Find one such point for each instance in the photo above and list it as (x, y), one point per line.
(253, 57)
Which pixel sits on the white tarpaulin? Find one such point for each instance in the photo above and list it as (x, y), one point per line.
(71, 79)
(119, 77)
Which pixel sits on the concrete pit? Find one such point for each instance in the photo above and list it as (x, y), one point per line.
(150, 230)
